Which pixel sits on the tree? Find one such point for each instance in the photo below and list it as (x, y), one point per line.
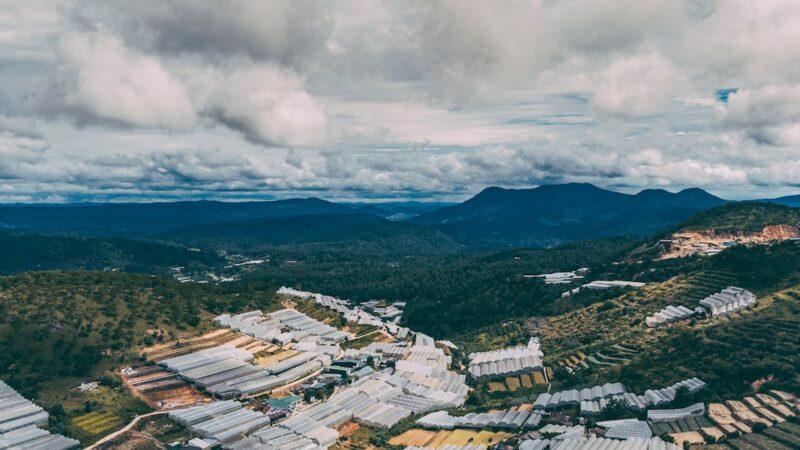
(683, 397)
(617, 409)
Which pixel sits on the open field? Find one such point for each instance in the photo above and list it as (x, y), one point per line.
(214, 338)
(98, 423)
(436, 439)
(161, 389)
(374, 335)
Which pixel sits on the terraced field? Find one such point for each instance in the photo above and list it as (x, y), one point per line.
(621, 320)
(609, 356)
(98, 423)
(748, 340)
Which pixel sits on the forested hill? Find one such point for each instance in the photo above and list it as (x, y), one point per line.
(27, 252)
(68, 324)
(146, 219)
(365, 233)
(742, 216)
(555, 214)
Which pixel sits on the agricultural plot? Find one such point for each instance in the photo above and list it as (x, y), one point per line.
(526, 381)
(770, 334)
(161, 389)
(98, 423)
(495, 337)
(183, 346)
(417, 438)
(497, 387)
(597, 327)
(741, 416)
(608, 356)
(685, 425)
(512, 383)
(366, 339)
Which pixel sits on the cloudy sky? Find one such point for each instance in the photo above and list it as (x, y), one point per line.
(136, 100)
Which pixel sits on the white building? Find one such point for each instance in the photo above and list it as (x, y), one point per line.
(728, 300)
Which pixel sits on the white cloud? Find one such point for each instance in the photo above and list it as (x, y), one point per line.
(189, 98)
(635, 86)
(103, 80)
(769, 115)
(269, 106)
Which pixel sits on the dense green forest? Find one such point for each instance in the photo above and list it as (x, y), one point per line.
(742, 216)
(26, 252)
(453, 293)
(68, 324)
(362, 234)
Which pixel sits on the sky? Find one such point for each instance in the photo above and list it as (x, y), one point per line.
(374, 100)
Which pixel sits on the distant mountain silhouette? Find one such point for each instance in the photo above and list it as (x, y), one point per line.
(143, 219)
(554, 214)
(789, 200)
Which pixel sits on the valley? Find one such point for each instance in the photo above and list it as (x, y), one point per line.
(371, 341)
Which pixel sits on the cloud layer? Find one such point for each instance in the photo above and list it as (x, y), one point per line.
(372, 99)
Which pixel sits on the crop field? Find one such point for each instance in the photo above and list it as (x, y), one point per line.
(183, 346)
(417, 438)
(98, 423)
(497, 387)
(266, 361)
(507, 334)
(374, 335)
(512, 383)
(161, 389)
(132, 440)
(599, 326)
(525, 380)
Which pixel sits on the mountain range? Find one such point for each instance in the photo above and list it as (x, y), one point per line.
(550, 215)
(496, 217)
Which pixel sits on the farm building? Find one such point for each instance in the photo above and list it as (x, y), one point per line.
(728, 300)
(626, 429)
(512, 419)
(20, 420)
(668, 415)
(508, 361)
(559, 277)
(274, 326)
(583, 397)
(668, 315)
(597, 443)
(603, 284)
(225, 371)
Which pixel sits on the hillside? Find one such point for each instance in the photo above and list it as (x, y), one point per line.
(145, 219)
(742, 216)
(26, 252)
(449, 293)
(712, 231)
(550, 215)
(729, 353)
(55, 324)
(362, 233)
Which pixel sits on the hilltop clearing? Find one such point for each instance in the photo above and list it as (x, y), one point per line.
(710, 232)
(711, 242)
